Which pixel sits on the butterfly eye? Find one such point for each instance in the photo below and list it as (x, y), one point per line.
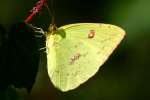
(91, 34)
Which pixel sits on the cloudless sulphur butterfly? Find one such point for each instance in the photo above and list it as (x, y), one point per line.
(75, 52)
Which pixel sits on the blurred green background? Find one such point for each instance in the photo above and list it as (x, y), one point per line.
(125, 76)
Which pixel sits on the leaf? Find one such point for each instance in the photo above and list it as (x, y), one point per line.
(75, 52)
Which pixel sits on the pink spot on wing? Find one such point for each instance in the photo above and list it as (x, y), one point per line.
(91, 34)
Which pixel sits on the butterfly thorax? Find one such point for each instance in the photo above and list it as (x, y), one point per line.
(50, 36)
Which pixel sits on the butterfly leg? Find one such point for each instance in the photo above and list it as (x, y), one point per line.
(38, 30)
(43, 49)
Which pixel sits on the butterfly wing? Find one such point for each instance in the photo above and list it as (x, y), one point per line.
(76, 52)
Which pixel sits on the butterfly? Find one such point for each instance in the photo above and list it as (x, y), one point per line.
(75, 52)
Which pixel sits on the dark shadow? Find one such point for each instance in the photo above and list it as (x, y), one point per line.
(19, 58)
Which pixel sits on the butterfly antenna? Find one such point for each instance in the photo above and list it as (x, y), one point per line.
(51, 11)
(52, 14)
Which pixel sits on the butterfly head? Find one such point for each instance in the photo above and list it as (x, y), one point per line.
(52, 28)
